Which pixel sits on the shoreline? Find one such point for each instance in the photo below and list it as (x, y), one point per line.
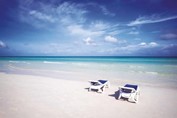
(145, 79)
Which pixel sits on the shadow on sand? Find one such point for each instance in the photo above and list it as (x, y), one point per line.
(115, 95)
(91, 90)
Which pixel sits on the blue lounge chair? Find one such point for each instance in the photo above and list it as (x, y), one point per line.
(99, 85)
(129, 91)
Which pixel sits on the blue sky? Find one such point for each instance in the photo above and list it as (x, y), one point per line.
(88, 28)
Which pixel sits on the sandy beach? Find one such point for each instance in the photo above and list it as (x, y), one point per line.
(51, 50)
(32, 96)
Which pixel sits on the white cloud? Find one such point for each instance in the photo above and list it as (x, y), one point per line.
(79, 30)
(106, 11)
(128, 49)
(67, 17)
(67, 8)
(65, 14)
(169, 46)
(95, 29)
(148, 45)
(143, 44)
(2, 44)
(104, 28)
(111, 39)
(89, 41)
(169, 36)
(150, 19)
(70, 13)
(41, 16)
(121, 49)
(153, 44)
(134, 32)
(99, 25)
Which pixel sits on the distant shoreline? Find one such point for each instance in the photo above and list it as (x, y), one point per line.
(89, 56)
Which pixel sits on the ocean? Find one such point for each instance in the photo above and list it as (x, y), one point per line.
(152, 70)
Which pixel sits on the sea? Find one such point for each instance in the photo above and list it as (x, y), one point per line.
(146, 70)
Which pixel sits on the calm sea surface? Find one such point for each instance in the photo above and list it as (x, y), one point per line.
(141, 68)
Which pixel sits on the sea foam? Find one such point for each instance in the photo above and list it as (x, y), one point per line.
(24, 62)
(52, 62)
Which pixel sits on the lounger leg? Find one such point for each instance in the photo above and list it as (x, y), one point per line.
(108, 85)
(103, 88)
(119, 96)
(100, 90)
(132, 98)
(136, 98)
(89, 89)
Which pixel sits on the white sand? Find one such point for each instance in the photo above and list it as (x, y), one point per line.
(27, 96)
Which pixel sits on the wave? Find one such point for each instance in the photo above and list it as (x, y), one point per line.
(149, 72)
(80, 64)
(24, 62)
(152, 73)
(145, 72)
(52, 62)
(136, 67)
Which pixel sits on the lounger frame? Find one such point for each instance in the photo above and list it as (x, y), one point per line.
(129, 91)
(99, 85)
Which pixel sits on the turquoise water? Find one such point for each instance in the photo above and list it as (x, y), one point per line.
(101, 59)
(136, 68)
(156, 64)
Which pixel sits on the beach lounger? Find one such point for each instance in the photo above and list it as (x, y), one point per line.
(129, 91)
(99, 85)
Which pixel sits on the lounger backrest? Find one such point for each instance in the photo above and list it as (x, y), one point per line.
(95, 83)
(126, 90)
(131, 86)
(102, 81)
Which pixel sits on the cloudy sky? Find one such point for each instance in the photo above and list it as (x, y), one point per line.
(88, 27)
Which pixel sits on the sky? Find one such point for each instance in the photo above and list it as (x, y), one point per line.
(88, 28)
